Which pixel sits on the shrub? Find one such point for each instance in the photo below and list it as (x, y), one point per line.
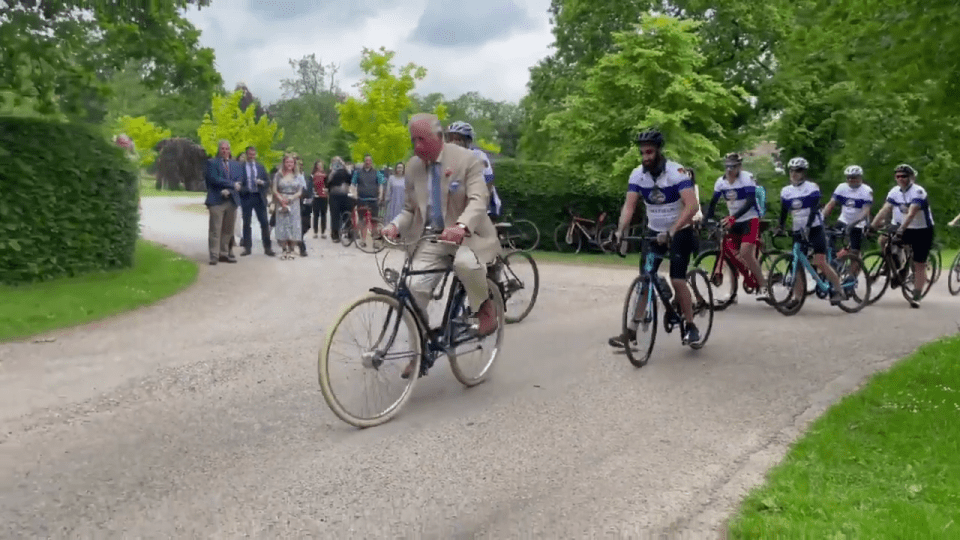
(68, 201)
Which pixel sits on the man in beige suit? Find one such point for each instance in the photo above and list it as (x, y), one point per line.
(449, 177)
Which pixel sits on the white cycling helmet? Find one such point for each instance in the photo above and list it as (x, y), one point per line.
(461, 128)
(798, 163)
(853, 170)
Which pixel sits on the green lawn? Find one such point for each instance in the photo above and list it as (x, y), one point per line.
(148, 188)
(883, 463)
(33, 309)
(588, 259)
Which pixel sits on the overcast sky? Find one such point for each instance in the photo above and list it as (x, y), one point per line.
(485, 45)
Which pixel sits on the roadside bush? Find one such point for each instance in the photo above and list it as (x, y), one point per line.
(68, 201)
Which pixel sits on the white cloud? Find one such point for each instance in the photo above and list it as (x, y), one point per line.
(254, 46)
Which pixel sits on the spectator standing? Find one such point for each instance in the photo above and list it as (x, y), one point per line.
(338, 185)
(319, 199)
(222, 179)
(394, 193)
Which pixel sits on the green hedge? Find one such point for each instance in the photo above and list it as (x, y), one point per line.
(541, 192)
(68, 202)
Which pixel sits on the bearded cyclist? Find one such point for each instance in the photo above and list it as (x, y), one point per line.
(801, 198)
(739, 189)
(914, 220)
(671, 204)
(461, 133)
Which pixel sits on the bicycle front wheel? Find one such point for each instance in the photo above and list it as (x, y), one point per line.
(703, 304)
(909, 284)
(373, 340)
(787, 286)
(953, 278)
(560, 239)
(520, 281)
(724, 279)
(346, 228)
(523, 235)
(877, 273)
(472, 360)
(639, 329)
(370, 237)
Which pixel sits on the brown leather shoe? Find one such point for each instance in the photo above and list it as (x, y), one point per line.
(487, 319)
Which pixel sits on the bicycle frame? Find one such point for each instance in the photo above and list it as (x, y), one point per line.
(671, 316)
(437, 340)
(577, 222)
(728, 255)
(800, 257)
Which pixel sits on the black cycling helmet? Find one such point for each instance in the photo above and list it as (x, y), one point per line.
(732, 159)
(652, 136)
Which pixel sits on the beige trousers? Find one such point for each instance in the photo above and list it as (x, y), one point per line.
(223, 217)
(466, 266)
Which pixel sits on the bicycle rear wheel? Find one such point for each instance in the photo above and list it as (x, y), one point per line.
(850, 270)
(724, 281)
(909, 284)
(523, 235)
(560, 239)
(374, 362)
(472, 360)
(645, 320)
(703, 304)
(520, 280)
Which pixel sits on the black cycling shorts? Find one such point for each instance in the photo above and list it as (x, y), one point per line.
(920, 241)
(817, 239)
(683, 245)
(856, 239)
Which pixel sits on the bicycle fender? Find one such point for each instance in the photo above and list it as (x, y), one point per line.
(380, 290)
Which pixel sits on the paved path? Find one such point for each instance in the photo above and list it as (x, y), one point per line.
(201, 416)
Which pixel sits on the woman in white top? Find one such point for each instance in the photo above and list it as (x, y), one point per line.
(394, 193)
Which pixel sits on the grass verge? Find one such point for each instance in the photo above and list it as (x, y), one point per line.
(882, 463)
(588, 259)
(32, 309)
(148, 188)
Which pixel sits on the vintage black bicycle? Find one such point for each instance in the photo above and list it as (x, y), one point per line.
(399, 339)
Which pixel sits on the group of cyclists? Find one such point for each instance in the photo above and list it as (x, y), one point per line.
(669, 194)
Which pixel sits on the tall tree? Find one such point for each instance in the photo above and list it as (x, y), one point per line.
(311, 78)
(227, 120)
(652, 80)
(59, 54)
(377, 117)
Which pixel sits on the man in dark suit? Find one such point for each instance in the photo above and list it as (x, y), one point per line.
(253, 198)
(223, 182)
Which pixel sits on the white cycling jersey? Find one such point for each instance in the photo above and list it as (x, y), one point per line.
(737, 193)
(496, 205)
(902, 199)
(852, 201)
(661, 196)
(800, 201)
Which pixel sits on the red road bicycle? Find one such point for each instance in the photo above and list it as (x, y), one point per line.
(359, 225)
(725, 266)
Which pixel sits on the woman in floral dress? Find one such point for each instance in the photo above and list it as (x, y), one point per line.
(287, 191)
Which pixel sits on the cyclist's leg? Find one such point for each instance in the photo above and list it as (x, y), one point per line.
(748, 251)
(681, 248)
(660, 250)
(429, 256)
(818, 241)
(921, 242)
(473, 275)
(856, 242)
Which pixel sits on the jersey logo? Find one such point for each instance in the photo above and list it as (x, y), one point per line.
(731, 195)
(796, 204)
(850, 202)
(657, 196)
(904, 208)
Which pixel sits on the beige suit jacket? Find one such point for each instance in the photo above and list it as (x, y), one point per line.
(464, 199)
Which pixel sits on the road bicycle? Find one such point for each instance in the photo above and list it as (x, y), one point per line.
(580, 232)
(400, 339)
(725, 267)
(953, 275)
(519, 279)
(518, 234)
(359, 225)
(649, 295)
(892, 265)
(789, 272)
